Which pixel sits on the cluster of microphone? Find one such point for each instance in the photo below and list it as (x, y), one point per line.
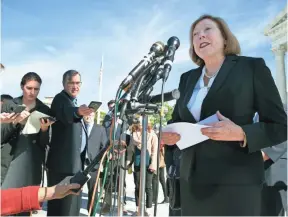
(152, 68)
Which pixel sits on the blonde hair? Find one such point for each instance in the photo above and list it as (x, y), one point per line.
(138, 128)
(232, 45)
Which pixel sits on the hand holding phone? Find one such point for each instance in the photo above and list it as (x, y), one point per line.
(51, 119)
(21, 117)
(95, 105)
(19, 109)
(8, 117)
(83, 110)
(46, 122)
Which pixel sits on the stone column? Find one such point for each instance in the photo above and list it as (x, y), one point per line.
(280, 72)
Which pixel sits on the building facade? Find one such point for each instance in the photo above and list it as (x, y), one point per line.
(277, 32)
(48, 100)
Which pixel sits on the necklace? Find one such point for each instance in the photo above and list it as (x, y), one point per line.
(209, 76)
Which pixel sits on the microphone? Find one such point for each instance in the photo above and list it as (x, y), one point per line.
(157, 63)
(157, 49)
(173, 44)
(168, 96)
(158, 75)
(153, 80)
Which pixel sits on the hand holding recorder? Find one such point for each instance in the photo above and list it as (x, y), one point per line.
(83, 110)
(46, 122)
(7, 118)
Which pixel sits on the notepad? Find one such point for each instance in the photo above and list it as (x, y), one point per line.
(33, 123)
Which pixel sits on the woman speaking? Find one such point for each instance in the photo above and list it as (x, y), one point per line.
(224, 174)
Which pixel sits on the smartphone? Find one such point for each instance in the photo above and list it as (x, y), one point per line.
(95, 105)
(19, 109)
(49, 118)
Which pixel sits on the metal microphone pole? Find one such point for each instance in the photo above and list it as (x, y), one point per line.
(143, 168)
(122, 176)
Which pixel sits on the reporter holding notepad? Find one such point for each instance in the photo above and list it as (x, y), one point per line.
(224, 175)
(28, 151)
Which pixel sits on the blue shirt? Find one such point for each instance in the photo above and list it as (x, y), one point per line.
(88, 127)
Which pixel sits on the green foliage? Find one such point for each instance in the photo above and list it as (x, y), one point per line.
(102, 115)
(155, 119)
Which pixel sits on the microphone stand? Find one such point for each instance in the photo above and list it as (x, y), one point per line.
(143, 168)
(122, 160)
(122, 177)
(144, 109)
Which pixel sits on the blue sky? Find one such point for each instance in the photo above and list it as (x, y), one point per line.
(50, 37)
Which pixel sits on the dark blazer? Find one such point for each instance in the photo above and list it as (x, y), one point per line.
(27, 153)
(107, 122)
(243, 86)
(277, 172)
(276, 166)
(65, 146)
(96, 141)
(275, 179)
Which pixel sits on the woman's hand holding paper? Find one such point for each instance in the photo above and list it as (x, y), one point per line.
(224, 130)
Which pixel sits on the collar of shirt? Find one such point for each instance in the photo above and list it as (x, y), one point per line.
(89, 125)
(73, 99)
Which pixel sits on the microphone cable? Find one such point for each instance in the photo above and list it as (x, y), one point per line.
(98, 176)
(118, 95)
(108, 151)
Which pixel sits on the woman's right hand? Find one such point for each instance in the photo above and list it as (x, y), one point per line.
(58, 191)
(22, 116)
(170, 138)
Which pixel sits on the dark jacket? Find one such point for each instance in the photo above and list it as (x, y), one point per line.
(243, 86)
(96, 141)
(65, 146)
(27, 151)
(107, 122)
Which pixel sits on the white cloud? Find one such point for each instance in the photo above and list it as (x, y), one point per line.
(251, 32)
(122, 50)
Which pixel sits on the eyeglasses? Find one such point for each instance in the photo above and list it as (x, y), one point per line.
(70, 83)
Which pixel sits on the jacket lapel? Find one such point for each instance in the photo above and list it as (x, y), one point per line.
(190, 85)
(18, 100)
(37, 106)
(228, 64)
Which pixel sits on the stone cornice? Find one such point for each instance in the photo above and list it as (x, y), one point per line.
(280, 28)
(281, 49)
(282, 15)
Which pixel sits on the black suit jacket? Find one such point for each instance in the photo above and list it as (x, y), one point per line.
(107, 122)
(243, 86)
(24, 150)
(97, 140)
(65, 147)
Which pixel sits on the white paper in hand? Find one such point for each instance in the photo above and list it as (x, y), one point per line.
(190, 133)
(33, 124)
